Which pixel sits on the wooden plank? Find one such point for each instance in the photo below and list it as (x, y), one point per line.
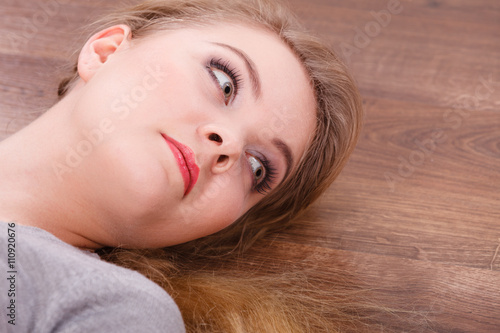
(430, 52)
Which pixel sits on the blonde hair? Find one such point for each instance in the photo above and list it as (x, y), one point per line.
(339, 115)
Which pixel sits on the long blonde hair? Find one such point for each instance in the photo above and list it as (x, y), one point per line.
(339, 115)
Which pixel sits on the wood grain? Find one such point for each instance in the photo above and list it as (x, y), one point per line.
(414, 219)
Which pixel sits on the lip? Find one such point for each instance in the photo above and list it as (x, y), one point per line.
(187, 164)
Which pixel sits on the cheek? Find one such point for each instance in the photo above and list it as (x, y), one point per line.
(133, 184)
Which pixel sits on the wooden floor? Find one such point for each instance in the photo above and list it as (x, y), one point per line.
(414, 219)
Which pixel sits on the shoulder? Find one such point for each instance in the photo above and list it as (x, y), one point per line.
(118, 300)
(75, 291)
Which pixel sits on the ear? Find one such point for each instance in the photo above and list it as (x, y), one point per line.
(100, 47)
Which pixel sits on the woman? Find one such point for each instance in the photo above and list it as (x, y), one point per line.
(183, 119)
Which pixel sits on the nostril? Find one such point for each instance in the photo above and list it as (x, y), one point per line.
(215, 137)
(222, 158)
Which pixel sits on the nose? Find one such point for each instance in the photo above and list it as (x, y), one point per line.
(222, 145)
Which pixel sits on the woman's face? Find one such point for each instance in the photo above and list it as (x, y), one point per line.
(188, 129)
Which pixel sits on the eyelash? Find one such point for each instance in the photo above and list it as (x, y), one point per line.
(265, 185)
(225, 67)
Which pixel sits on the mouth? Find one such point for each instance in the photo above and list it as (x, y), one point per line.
(187, 164)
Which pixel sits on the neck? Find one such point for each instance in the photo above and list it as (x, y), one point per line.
(33, 190)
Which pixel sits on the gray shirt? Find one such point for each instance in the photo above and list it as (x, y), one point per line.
(47, 285)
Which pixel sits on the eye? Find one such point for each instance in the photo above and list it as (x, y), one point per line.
(258, 169)
(263, 174)
(226, 77)
(226, 85)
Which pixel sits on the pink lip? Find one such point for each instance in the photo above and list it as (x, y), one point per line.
(187, 164)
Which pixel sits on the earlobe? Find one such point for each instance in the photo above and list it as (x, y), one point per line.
(96, 52)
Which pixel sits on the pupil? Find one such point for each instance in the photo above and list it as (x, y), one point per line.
(227, 90)
(258, 173)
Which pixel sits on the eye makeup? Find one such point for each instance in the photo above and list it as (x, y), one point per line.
(219, 68)
(263, 174)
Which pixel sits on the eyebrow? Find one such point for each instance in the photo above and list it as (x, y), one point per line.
(285, 150)
(254, 75)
